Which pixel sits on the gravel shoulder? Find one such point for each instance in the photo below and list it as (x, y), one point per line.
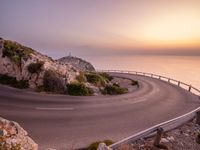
(181, 138)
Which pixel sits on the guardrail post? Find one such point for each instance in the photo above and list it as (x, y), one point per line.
(189, 88)
(169, 80)
(198, 117)
(151, 75)
(158, 136)
(159, 77)
(179, 83)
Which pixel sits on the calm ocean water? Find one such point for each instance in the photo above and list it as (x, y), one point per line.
(183, 68)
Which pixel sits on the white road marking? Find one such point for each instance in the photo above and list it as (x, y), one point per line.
(138, 101)
(54, 108)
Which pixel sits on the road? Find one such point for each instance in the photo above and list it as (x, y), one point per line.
(69, 122)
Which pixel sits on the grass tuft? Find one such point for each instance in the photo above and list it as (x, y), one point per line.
(106, 76)
(96, 79)
(114, 90)
(35, 67)
(134, 83)
(16, 52)
(78, 89)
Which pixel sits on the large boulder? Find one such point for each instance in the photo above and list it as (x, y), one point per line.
(13, 136)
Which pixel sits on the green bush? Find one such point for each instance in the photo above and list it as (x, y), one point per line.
(15, 52)
(198, 138)
(52, 82)
(78, 89)
(12, 81)
(35, 67)
(133, 82)
(22, 84)
(95, 79)
(95, 145)
(114, 90)
(106, 76)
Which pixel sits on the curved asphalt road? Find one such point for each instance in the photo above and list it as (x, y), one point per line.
(66, 122)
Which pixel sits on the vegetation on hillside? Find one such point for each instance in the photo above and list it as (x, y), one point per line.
(106, 76)
(133, 82)
(52, 82)
(12, 81)
(114, 90)
(96, 79)
(35, 67)
(78, 89)
(15, 52)
(102, 80)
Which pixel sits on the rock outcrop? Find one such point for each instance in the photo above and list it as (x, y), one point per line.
(103, 146)
(15, 58)
(23, 67)
(77, 63)
(13, 136)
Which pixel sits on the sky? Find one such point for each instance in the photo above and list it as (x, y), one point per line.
(103, 27)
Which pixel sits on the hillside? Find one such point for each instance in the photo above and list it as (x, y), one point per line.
(27, 64)
(23, 67)
(77, 63)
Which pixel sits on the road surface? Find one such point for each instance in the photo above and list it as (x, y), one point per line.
(69, 122)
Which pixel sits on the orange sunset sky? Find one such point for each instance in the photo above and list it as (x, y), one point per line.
(103, 26)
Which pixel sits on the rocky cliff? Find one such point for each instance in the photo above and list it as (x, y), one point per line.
(23, 67)
(77, 63)
(26, 64)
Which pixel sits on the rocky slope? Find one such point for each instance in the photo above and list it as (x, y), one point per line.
(15, 59)
(13, 136)
(23, 67)
(77, 63)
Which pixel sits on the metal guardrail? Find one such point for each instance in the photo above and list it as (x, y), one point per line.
(184, 118)
(183, 85)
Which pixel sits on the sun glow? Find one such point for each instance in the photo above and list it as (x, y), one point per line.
(173, 30)
(130, 25)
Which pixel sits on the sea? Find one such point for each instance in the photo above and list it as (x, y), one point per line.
(182, 68)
